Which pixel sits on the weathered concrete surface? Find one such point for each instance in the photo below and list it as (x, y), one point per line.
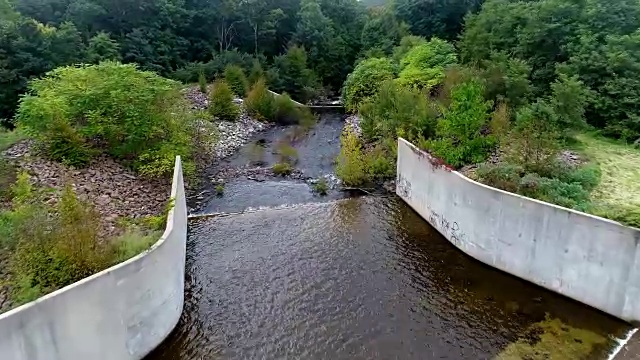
(587, 258)
(121, 313)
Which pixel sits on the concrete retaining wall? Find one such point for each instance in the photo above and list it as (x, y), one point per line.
(590, 259)
(121, 313)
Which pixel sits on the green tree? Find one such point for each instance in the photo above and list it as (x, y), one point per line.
(382, 30)
(365, 81)
(237, 81)
(459, 134)
(291, 74)
(221, 104)
(102, 47)
(441, 19)
(424, 65)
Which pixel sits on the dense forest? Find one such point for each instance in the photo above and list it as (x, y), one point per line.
(175, 37)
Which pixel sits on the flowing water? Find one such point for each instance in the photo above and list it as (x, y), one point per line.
(357, 278)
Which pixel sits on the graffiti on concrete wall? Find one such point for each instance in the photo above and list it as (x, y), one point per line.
(404, 187)
(450, 230)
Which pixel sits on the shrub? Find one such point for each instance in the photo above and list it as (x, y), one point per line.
(287, 112)
(287, 153)
(555, 191)
(502, 176)
(79, 111)
(533, 142)
(236, 79)
(219, 189)
(291, 74)
(424, 65)
(202, 81)
(459, 134)
(256, 73)
(507, 79)
(54, 246)
(381, 162)
(320, 187)
(221, 104)
(351, 167)
(282, 169)
(568, 100)
(397, 111)
(407, 43)
(365, 81)
(260, 103)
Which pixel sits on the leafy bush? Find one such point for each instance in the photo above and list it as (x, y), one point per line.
(351, 167)
(365, 81)
(503, 176)
(287, 112)
(533, 142)
(507, 79)
(320, 187)
(568, 100)
(256, 73)
(397, 111)
(282, 169)
(290, 73)
(406, 44)
(202, 81)
(287, 153)
(236, 79)
(423, 66)
(460, 137)
(625, 214)
(221, 105)
(54, 246)
(568, 191)
(381, 161)
(260, 103)
(79, 111)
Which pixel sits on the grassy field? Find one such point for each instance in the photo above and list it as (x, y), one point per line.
(617, 196)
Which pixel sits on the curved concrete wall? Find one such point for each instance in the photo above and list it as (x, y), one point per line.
(121, 313)
(590, 259)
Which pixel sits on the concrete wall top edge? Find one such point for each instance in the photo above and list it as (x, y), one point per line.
(575, 212)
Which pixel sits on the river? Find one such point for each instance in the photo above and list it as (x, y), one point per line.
(307, 277)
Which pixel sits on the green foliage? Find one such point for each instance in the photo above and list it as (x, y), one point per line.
(533, 143)
(287, 153)
(291, 74)
(459, 136)
(382, 30)
(507, 79)
(8, 176)
(424, 65)
(237, 81)
(282, 169)
(569, 188)
(568, 99)
(202, 81)
(221, 104)
(134, 116)
(133, 242)
(102, 47)
(406, 44)
(435, 18)
(9, 138)
(365, 81)
(320, 187)
(219, 189)
(381, 160)
(398, 111)
(351, 167)
(260, 103)
(256, 74)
